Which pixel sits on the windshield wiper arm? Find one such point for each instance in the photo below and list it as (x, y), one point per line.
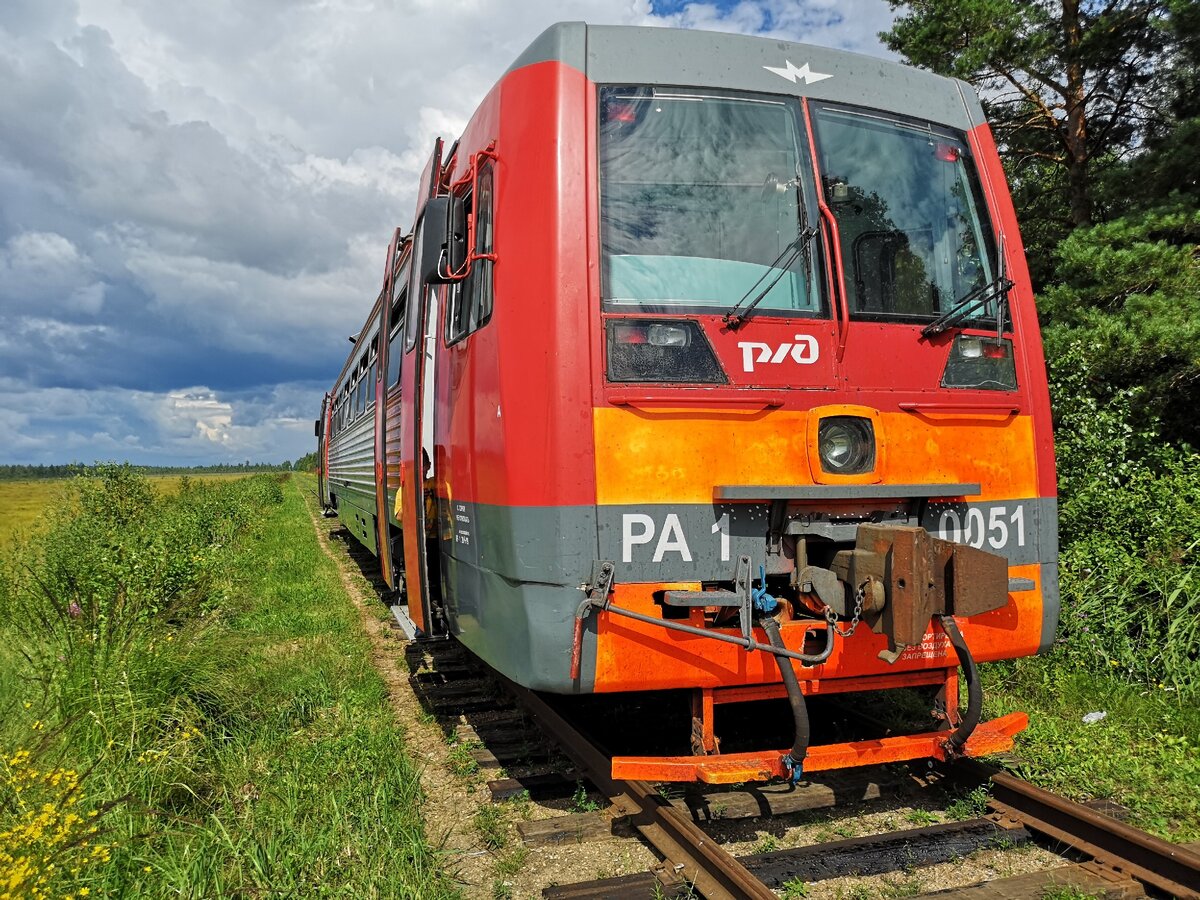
(969, 303)
(781, 265)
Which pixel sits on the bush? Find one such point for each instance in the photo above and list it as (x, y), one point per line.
(1126, 311)
(117, 570)
(110, 605)
(1129, 532)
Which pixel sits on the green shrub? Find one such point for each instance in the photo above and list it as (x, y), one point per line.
(1129, 534)
(110, 605)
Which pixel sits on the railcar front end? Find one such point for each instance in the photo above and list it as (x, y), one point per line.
(737, 388)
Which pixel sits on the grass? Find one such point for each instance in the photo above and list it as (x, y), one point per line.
(22, 502)
(234, 740)
(922, 817)
(969, 806)
(1145, 753)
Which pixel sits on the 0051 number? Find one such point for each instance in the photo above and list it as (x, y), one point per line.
(976, 528)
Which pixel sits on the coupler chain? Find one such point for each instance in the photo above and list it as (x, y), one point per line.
(832, 618)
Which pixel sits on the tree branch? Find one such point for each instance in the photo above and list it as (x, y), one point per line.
(1037, 100)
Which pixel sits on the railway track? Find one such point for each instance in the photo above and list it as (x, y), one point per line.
(1104, 856)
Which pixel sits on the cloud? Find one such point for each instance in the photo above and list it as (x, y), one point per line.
(43, 270)
(195, 200)
(193, 425)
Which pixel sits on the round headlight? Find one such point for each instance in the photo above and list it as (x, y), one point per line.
(846, 445)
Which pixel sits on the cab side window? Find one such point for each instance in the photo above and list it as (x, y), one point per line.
(396, 341)
(473, 296)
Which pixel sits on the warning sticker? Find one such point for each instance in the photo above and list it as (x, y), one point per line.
(934, 646)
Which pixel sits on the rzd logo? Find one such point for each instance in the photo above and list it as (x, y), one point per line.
(805, 351)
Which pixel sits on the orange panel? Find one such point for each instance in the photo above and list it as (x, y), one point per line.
(677, 456)
(633, 656)
(995, 736)
(822, 686)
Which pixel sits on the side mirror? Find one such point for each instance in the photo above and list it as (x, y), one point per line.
(443, 240)
(316, 427)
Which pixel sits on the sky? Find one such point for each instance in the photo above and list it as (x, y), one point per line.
(196, 199)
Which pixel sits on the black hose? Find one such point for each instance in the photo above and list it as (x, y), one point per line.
(970, 719)
(794, 761)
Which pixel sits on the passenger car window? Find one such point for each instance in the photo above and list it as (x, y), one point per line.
(395, 342)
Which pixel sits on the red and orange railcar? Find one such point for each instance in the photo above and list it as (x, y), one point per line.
(711, 363)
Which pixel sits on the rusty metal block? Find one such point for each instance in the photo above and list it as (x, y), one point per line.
(923, 576)
(980, 581)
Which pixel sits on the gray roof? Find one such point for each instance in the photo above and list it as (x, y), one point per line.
(669, 56)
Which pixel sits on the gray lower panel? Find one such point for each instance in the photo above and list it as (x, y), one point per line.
(356, 511)
(547, 544)
(698, 542)
(1051, 604)
(522, 630)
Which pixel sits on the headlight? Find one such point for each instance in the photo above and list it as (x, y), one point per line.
(846, 445)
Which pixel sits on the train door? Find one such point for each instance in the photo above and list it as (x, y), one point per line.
(321, 427)
(416, 435)
(383, 537)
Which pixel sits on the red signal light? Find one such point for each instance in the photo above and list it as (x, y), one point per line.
(630, 334)
(623, 113)
(995, 350)
(946, 153)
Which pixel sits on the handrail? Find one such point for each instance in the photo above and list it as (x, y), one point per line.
(838, 274)
(938, 406)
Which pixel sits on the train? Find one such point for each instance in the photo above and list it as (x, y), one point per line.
(710, 366)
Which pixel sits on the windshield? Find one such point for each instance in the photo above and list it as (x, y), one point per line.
(910, 215)
(700, 198)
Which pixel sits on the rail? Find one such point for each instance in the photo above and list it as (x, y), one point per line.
(1169, 868)
(688, 851)
(1165, 868)
(1127, 854)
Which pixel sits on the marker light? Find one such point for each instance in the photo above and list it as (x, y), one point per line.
(981, 363)
(846, 445)
(654, 335)
(673, 351)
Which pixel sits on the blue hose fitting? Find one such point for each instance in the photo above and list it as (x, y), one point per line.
(763, 602)
(794, 768)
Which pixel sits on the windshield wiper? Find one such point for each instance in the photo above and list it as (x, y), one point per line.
(996, 289)
(783, 262)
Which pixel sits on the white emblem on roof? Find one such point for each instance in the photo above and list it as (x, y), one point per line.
(791, 73)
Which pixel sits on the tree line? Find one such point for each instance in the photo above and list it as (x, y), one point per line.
(18, 472)
(1095, 108)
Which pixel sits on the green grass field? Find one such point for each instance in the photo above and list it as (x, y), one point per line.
(195, 666)
(230, 731)
(22, 502)
(1144, 753)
